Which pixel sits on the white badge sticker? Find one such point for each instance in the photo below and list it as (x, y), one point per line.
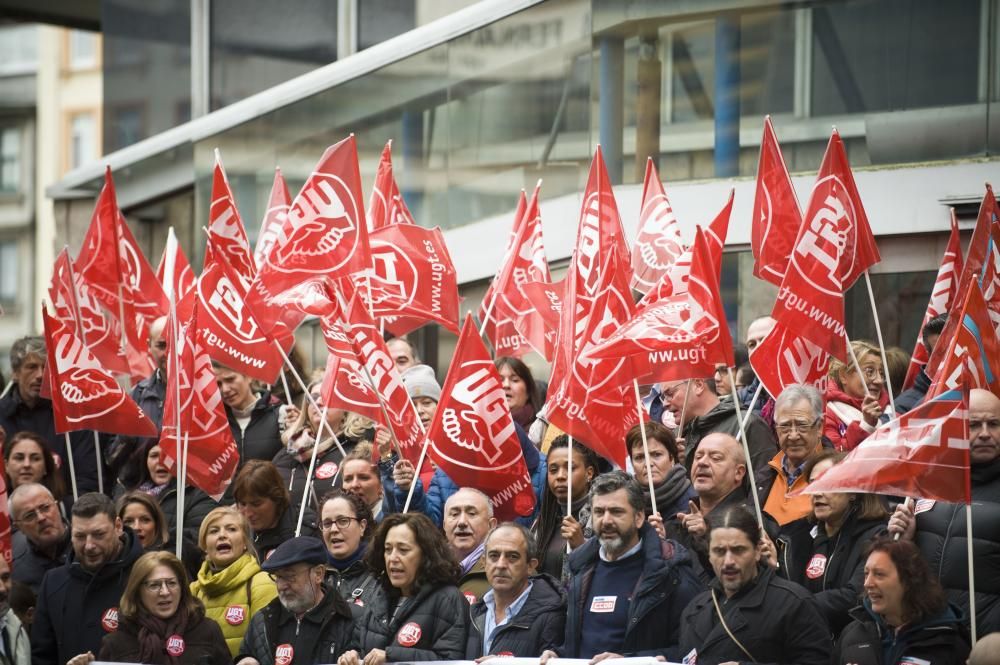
(922, 506)
(603, 604)
(691, 658)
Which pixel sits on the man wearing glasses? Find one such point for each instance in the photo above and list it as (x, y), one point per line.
(798, 420)
(306, 623)
(78, 602)
(41, 542)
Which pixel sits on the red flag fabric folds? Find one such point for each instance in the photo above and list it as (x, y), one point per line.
(658, 243)
(225, 226)
(776, 215)
(274, 217)
(85, 396)
(472, 436)
(784, 358)
(386, 205)
(174, 270)
(494, 326)
(972, 339)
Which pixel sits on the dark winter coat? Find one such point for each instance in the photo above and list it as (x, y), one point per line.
(433, 625)
(355, 584)
(941, 536)
(666, 585)
(326, 475)
(262, 437)
(29, 565)
(942, 640)
(832, 569)
(722, 418)
(149, 394)
(16, 416)
(268, 540)
(320, 637)
(202, 641)
(912, 397)
(73, 606)
(775, 620)
(538, 626)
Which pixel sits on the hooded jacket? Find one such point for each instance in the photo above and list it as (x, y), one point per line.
(941, 640)
(666, 585)
(77, 607)
(233, 595)
(537, 627)
(722, 418)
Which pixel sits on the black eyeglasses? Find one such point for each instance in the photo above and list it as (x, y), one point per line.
(342, 523)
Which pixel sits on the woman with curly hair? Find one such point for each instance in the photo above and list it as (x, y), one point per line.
(160, 621)
(905, 616)
(421, 614)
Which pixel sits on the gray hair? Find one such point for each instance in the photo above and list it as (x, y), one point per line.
(530, 546)
(18, 494)
(612, 481)
(798, 392)
(24, 347)
(485, 497)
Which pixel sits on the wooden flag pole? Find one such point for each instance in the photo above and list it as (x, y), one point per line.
(645, 444)
(72, 468)
(746, 450)
(753, 403)
(309, 475)
(857, 366)
(881, 344)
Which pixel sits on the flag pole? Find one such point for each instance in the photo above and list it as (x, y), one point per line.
(122, 342)
(569, 483)
(972, 575)
(746, 450)
(645, 443)
(309, 397)
(72, 467)
(753, 403)
(416, 472)
(857, 366)
(175, 370)
(309, 474)
(100, 471)
(881, 344)
(684, 406)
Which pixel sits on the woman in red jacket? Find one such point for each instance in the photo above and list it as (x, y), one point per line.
(851, 415)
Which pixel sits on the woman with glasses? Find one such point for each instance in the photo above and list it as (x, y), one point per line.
(825, 551)
(261, 496)
(230, 582)
(855, 400)
(346, 525)
(141, 513)
(421, 614)
(159, 621)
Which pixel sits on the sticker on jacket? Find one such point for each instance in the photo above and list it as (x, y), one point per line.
(816, 567)
(409, 634)
(471, 597)
(691, 658)
(109, 620)
(922, 506)
(910, 660)
(283, 654)
(235, 615)
(603, 604)
(175, 645)
(326, 470)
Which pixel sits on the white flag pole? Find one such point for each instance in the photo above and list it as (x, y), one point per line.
(881, 344)
(72, 468)
(569, 483)
(645, 444)
(309, 475)
(972, 574)
(746, 450)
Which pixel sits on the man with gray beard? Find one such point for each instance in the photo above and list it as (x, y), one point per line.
(628, 587)
(306, 623)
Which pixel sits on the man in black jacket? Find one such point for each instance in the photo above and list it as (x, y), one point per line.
(521, 615)
(253, 419)
(628, 586)
(939, 528)
(23, 409)
(78, 602)
(41, 542)
(306, 623)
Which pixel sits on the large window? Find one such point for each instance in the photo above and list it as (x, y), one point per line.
(83, 139)
(82, 49)
(18, 49)
(10, 159)
(8, 272)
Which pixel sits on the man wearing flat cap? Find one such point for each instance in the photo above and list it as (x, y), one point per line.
(306, 623)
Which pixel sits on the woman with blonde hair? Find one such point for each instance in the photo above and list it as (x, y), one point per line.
(230, 583)
(852, 413)
(160, 621)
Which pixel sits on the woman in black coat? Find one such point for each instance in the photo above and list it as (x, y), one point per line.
(421, 615)
(264, 501)
(825, 552)
(905, 616)
(160, 622)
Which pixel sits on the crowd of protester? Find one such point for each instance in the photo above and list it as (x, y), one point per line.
(665, 558)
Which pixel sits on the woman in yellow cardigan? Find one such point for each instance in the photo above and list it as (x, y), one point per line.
(230, 581)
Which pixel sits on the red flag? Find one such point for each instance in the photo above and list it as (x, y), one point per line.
(385, 378)
(776, 214)
(386, 205)
(413, 275)
(70, 305)
(545, 299)
(345, 387)
(274, 218)
(472, 436)
(212, 453)
(973, 339)
(225, 226)
(324, 234)
(519, 329)
(585, 400)
(923, 453)
(784, 358)
(493, 327)
(681, 336)
(86, 396)
(227, 329)
(174, 270)
(658, 243)
(942, 298)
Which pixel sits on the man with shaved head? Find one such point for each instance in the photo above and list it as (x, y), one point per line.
(939, 528)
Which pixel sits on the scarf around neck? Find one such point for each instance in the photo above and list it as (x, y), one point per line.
(673, 487)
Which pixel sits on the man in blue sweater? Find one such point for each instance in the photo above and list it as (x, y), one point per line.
(628, 587)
